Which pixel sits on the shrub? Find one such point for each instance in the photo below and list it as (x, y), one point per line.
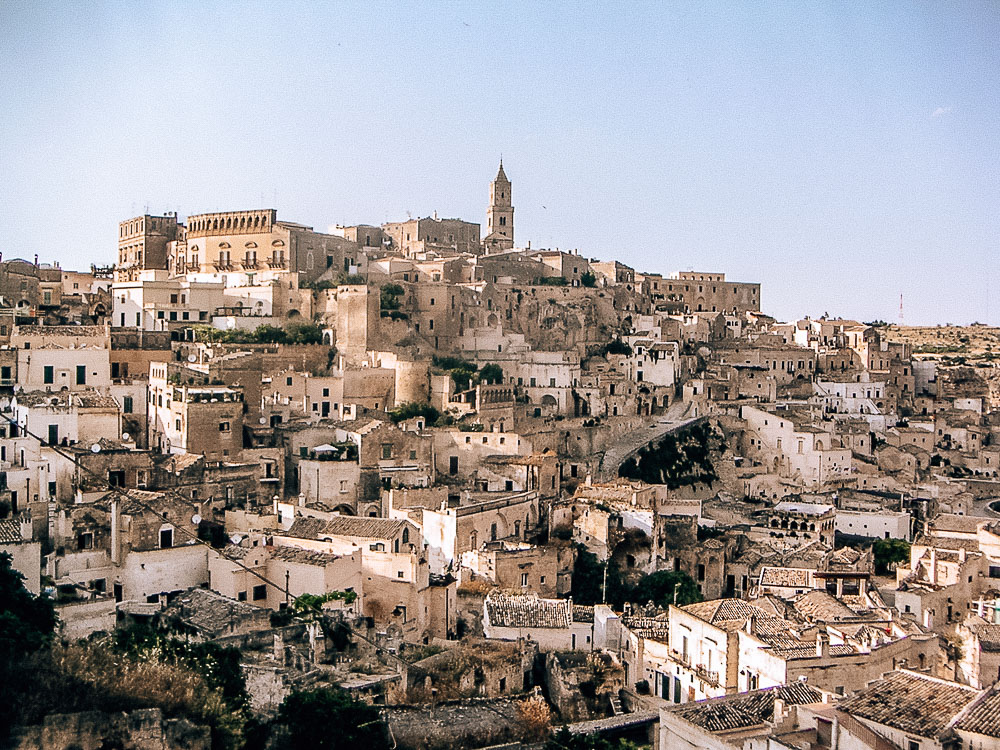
(534, 719)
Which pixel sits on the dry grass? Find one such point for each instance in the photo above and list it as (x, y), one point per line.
(534, 719)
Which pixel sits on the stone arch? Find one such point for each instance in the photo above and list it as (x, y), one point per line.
(492, 320)
(344, 509)
(293, 313)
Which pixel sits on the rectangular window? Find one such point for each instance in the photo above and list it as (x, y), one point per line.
(81, 374)
(48, 374)
(387, 450)
(524, 579)
(127, 405)
(53, 434)
(224, 427)
(260, 592)
(52, 489)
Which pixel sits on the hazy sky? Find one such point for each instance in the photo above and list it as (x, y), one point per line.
(840, 153)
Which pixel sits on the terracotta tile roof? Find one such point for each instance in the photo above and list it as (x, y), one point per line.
(790, 577)
(648, 627)
(910, 702)
(983, 716)
(528, 611)
(351, 526)
(212, 613)
(745, 710)
(298, 555)
(719, 611)
(988, 635)
(10, 531)
(820, 605)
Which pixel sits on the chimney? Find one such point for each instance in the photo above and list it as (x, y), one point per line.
(933, 567)
(961, 555)
(779, 711)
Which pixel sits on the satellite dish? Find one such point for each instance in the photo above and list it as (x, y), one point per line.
(126, 436)
(263, 420)
(95, 448)
(196, 519)
(235, 539)
(192, 358)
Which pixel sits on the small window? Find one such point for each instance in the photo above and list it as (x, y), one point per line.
(225, 427)
(241, 596)
(260, 592)
(387, 450)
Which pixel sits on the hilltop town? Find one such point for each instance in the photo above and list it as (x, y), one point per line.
(485, 493)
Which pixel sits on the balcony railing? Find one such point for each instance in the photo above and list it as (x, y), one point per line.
(707, 675)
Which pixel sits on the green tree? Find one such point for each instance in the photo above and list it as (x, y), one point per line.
(888, 552)
(616, 347)
(659, 588)
(411, 409)
(329, 719)
(268, 334)
(389, 296)
(589, 585)
(588, 279)
(304, 333)
(491, 374)
(565, 740)
(27, 624)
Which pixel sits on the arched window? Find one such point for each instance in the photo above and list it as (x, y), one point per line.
(406, 536)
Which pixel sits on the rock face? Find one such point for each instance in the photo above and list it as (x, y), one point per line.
(144, 729)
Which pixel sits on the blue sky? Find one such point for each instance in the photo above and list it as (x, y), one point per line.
(840, 153)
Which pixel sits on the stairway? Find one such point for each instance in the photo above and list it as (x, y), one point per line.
(616, 706)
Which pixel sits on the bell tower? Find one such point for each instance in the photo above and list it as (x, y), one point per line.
(500, 215)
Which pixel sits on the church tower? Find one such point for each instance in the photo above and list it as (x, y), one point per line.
(500, 216)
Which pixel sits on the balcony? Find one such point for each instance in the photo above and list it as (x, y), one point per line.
(707, 675)
(684, 659)
(276, 262)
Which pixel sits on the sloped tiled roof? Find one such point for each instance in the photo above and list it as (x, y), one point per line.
(10, 531)
(745, 710)
(722, 610)
(790, 577)
(989, 636)
(983, 716)
(820, 605)
(211, 612)
(910, 702)
(351, 526)
(528, 611)
(648, 627)
(303, 556)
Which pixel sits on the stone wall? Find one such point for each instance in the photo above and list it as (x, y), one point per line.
(145, 729)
